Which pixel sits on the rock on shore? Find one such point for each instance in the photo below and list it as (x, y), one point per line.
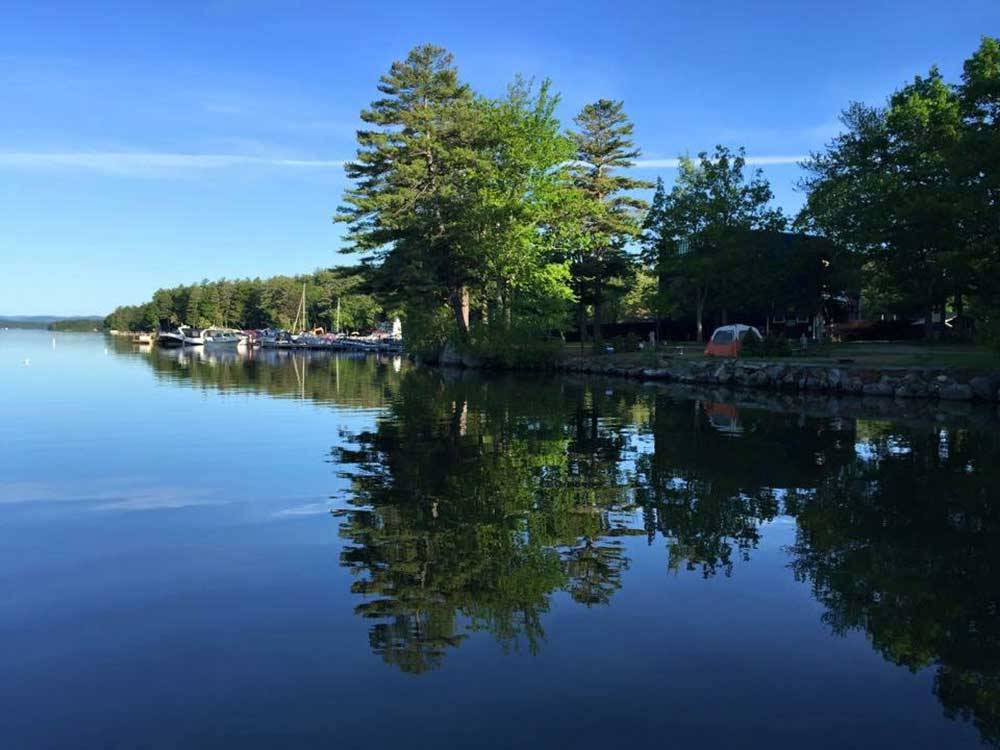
(901, 383)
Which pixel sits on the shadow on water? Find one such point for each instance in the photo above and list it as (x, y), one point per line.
(475, 500)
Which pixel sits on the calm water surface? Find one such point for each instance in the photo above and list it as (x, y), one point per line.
(208, 551)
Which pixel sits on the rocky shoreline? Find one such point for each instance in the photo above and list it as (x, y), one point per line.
(889, 382)
(900, 383)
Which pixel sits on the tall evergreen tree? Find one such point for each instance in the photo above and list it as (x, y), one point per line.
(411, 183)
(609, 214)
(652, 225)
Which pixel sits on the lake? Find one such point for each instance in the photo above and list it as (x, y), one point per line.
(306, 550)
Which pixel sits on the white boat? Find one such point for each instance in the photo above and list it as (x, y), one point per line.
(183, 336)
(192, 336)
(220, 338)
(170, 339)
(311, 341)
(273, 339)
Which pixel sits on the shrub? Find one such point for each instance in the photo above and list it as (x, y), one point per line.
(426, 330)
(769, 346)
(513, 347)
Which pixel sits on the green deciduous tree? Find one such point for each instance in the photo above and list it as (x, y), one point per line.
(521, 185)
(257, 303)
(912, 188)
(698, 236)
(979, 171)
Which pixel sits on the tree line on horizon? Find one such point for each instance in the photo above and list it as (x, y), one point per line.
(257, 303)
(489, 226)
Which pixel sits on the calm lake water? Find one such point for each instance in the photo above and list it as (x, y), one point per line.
(207, 551)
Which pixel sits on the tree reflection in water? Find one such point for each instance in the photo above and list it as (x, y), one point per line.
(476, 500)
(471, 504)
(902, 543)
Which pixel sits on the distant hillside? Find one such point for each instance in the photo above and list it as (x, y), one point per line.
(77, 324)
(52, 322)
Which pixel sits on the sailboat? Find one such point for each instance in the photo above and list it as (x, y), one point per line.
(305, 338)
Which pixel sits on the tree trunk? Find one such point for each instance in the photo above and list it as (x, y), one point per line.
(460, 306)
(929, 323)
(598, 334)
(699, 315)
(581, 321)
(725, 316)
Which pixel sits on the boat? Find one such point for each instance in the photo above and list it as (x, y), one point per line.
(221, 338)
(183, 336)
(170, 339)
(306, 337)
(274, 339)
(192, 336)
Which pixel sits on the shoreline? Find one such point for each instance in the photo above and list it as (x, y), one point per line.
(888, 382)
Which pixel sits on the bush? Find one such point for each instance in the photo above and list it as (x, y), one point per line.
(426, 330)
(988, 332)
(513, 347)
(769, 346)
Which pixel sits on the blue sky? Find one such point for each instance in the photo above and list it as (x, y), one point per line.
(147, 144)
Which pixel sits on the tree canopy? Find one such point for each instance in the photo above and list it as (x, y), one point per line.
(257, 303)
(911, 188)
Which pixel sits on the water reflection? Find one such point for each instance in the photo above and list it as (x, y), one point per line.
(474, 505)
(474, 502)
(901, 542)
(345, 378)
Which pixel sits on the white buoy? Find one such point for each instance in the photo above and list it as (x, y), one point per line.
(27, 362)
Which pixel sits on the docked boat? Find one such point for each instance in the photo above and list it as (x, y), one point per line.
(183, 336)
(170, 339)
(274, 339)
(221, 338)
(192, 336)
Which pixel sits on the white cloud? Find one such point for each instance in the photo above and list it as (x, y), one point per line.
(309, 509)
(154, 163)
(127, 496)
(756, 161)
(138, 163)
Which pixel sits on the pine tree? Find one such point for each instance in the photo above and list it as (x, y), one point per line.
(609, 215)
(410, 183)
(652, 226)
